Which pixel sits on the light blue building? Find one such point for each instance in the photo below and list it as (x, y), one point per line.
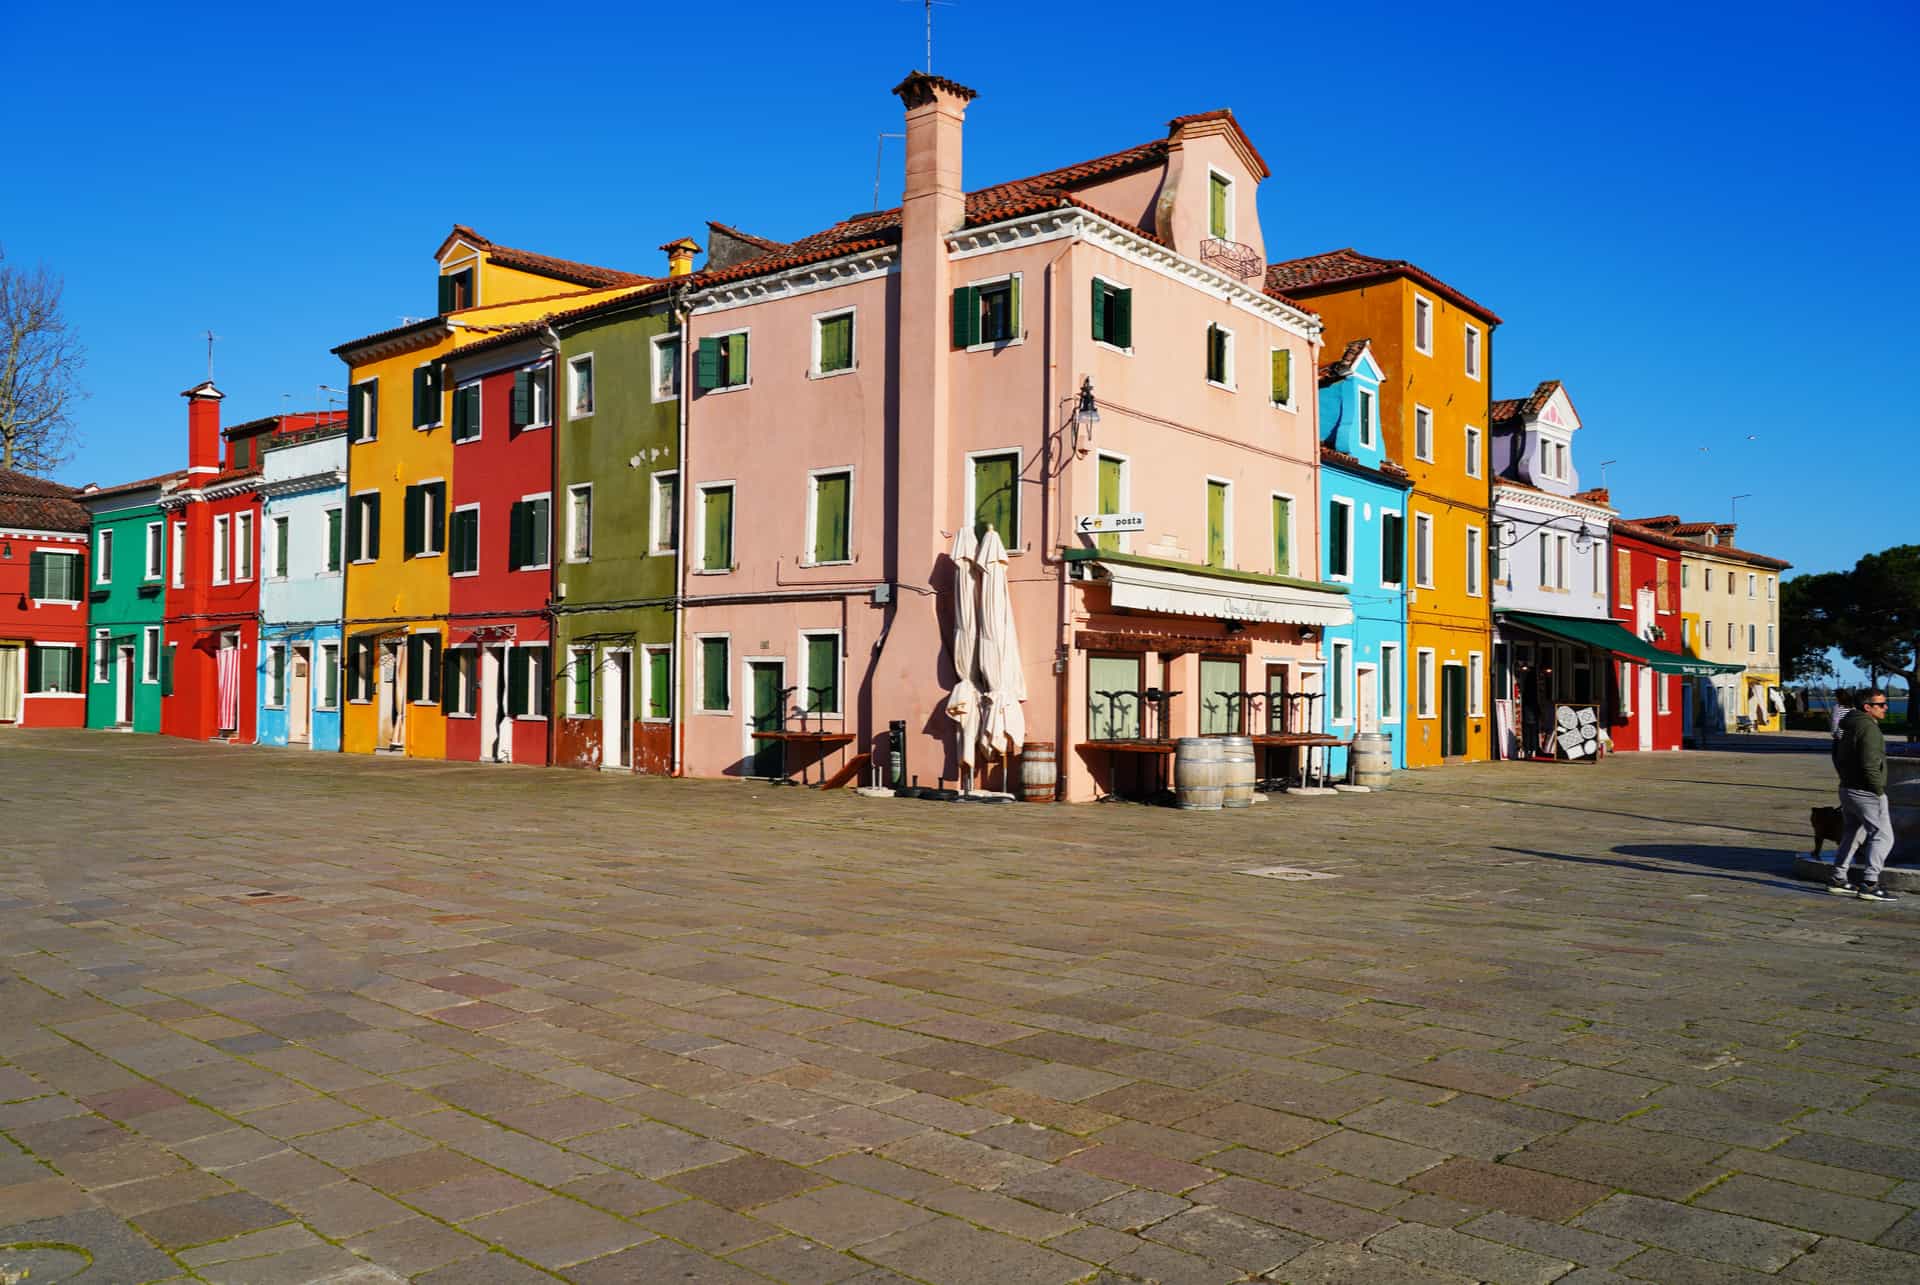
(302, 587)
(1363, 497)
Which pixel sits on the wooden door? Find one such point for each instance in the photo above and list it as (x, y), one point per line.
(1279, 710)
(299, 696)
(1367, 692)
(123, 686)
(493, 667)
(12, 677)
(766, 679)
(1453, 711)
(615, 723)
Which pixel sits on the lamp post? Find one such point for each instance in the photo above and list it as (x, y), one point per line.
(1086, 414)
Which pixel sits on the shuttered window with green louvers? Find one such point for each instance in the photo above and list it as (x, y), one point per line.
(987, 313)
(1219, 206)
(714, 686)
(580, 670)
(1112, 475)
(831, 517)
(721, 362)
(466, 412)
(1216, 524)
(1219, 356)
(1393, 548)
(1282, 536)
(823, 674)
(363, 411)
(716, 528)
(519, 668)
(463, 542)
(659, 683)
(53, 577)
(166, 671)
(836, 343)
(1340, 540)
(1283, 377)
(528, 534)
(363, 527)
(1112, 314)
(426, 396)
(456, 290)
(996, 501)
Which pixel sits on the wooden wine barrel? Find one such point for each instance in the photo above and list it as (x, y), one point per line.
(1199, 773)
(1236, 755)
(1038, 772)
(1372, 760)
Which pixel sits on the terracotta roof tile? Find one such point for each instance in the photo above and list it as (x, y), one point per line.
(1226, 114)
(1671, 525)
(1511, 408)
(1388, 470)
(546, 265)
(94, 492)
(519, 330)
(771, 247)
(37, 504)
(1338, 269)
(1335, 371)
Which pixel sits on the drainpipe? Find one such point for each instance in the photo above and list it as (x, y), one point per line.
(553, 563)
(681, 311)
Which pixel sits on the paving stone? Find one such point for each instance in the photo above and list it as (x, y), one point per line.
(1608, 1166)
(1293, 1210)
(493, 1268)
(707, 1227)
(661, 1260)
(1836, 1259)
(117, 1252)
(842, 1217)
(961, 1159)
(1367, 1156)
(746, 1181)
(1062, 1190)
(1508, 1187)
(795, 1261)
(215, 1218)
(1722, 1238)
(1139, 1168)
(1134, 1210)
(1483, 1260)
(1674, 1269)
(414, 1245)
(470, 1197)
(652, 1150)
(1350, 1265)
(554, 1232)
(1225, 1237)
(1584, 1247)
(1826, 1212)
(947, 1251)
(1164, 1265)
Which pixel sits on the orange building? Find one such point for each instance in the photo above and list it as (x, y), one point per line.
(1436, 346)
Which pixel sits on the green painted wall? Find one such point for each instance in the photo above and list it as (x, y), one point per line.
(607, 598)
(120, 607)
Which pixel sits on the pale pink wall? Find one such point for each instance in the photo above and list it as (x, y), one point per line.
(1188, 191)
(1130, 197)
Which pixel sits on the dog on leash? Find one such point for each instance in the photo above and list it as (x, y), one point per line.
(1826, 828)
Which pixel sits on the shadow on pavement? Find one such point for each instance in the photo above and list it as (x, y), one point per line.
(1711, 861)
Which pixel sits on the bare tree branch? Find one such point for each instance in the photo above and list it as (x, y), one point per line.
(39, 372)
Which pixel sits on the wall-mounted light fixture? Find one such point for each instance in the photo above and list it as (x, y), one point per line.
(1086, 415)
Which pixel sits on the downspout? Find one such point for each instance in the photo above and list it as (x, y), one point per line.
(553, 563)
(681, 312)
(1051, 495)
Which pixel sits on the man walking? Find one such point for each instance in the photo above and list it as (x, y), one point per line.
(1860, 757)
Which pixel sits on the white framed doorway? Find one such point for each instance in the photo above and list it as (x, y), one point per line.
(1366, 690)
(493, 668)
(13, 681)
(300, 695)
(393, 709)
(616, 722)
(123, 685)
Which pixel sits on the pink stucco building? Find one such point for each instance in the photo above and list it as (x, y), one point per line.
(862, 393)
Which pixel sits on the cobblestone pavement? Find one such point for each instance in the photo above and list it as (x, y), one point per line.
(271, 1016)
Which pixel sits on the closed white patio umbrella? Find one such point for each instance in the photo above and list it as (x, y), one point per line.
(963, 703)
(1003, 682)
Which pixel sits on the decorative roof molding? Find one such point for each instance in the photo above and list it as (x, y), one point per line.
(1510, 492)
(322, 480)
(805, 279)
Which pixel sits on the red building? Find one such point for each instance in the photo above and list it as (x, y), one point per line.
(1646, 706)
(212, 625)
(43, 603)
(497, 524)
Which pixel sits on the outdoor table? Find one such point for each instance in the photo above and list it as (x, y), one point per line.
(1307, 741)
(1160, 748)
(825, 741)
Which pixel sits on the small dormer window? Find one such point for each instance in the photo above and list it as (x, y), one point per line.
(1366, 417)
(1219, 206)
(456, 290)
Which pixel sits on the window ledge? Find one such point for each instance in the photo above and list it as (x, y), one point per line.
(1292, 408)
(712, 571)
(574, 417)
(994, 345)
(461, 575)
(728, 388)
(831, 374)
(834, 562)
(1114, 348)
(660, 398)
(1225, 388)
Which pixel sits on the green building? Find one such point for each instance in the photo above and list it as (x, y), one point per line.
(616, 504)
(132, 558)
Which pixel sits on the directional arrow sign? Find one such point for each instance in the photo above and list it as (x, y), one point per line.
(1106, 523)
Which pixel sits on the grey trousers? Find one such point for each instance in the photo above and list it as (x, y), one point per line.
(1866, 831)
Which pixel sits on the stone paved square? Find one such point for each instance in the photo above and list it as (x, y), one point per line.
(285, 1016)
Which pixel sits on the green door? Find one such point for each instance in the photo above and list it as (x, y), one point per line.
(1110, 468)
(1453, 711)
(768, 758)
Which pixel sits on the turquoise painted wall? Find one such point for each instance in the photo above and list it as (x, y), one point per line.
(126, 602)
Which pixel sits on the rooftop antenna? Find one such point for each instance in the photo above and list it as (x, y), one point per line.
(928, 5)
(879, 151)
(210, 338)
(1733, 508)
(1603, 472)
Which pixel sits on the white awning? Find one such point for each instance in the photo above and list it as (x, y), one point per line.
(1185, 593)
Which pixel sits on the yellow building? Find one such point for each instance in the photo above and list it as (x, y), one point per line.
(1436, 347)
(400, 479)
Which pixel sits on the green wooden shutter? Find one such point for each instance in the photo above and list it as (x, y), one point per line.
(1282, 536)
(713, 673)
(433, 516)
(372, 519)
(1338, 518)
(517, 542)
(413, 501)
(1122, 330)
(1013, 307)
(706, 364)
(36, 667)
(1393, 549)
(421, 381)
(356, 416)
(966, 317)
(736, 360)
(413, 667)
(1216, 524)
(582, 682)
(823, 674)
(166, 671)
(830, 535)
(1217, 206)
(280, 550)
(1282, 376)
(994, 498)
(522, 398)
(355, 520)
(517, 670)
(836, 343)
(329, 666)
(1110, 469)
(37, 575)
(1100, 292)
(659, 684)
(717, 516)
(462, 421)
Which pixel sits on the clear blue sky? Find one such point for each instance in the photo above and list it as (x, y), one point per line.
(1699, 218)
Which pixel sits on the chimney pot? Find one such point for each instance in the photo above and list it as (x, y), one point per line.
(203, 427)
(680, 256)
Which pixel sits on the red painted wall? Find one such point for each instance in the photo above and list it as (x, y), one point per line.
(23, 619)
(1645, 559)
(201, 611)
(494, 471)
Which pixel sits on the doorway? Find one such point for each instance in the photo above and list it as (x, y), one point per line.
(123, 685)
(392, 709)
(300, 696)
(766, 679)
(1279, 708)
(616, 724)
(1366, 690)
(228, 674)
(493, 668)
(11, 680)
(1453, 711)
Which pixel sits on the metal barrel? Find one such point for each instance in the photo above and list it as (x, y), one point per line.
(1372, 760)
(1199, 773)
(1236, 753)
(1038, 772)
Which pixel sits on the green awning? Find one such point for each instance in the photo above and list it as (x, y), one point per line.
(1610, 635)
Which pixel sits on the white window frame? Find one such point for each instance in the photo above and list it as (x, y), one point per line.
(1426, 677)
(1770, 580)
(1753, 586)
(532, 687)
(366, 390)
(1344, 575)
(102, 656)
(804, 697)
(655, 513)
(1232, 372)
(222, 549)
(156, 551)
(535, 402)
(1019, 471)
(656, 364)
(574, 366)
(439, 407)
(1423, 306)
(700, 675)
(699, 566)
(813, 495)
(1340, 681)
(354, 555)
(748, 382)
(275, 524)
(1107, 344)
(1474, 338)
(1422, 549)
(1293, 392)
(1706, 634)
(1770, 640)
(1476, 446)
(1753, 638)
(1384, 582)
(479, 408)
(573, 535)
(548, 564)
(429, 528)
(1019, 322)
(459, 706)
(270, 654)
(1627, 679)
(464, 508)
(1501, 546)
(243, 547)
(179, 555)
(1476, 561)
(1293, 525)
(574, 653)
(1390, 709)
(853, 344)
(329, 659)
(1663, 693)
(1476, 684)
(1368, 400)
(1421, 413)
(647, 651)
(76, 657)
(328, 567)
(1226, 518)
(103, 556)
(1233, 223)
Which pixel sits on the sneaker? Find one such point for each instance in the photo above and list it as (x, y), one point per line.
(1839, 886)
(1874, 892)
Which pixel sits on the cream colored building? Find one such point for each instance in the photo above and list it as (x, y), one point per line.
(1730, 602)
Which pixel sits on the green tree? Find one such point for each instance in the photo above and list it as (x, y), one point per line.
(1881, 630)
(1811, 611)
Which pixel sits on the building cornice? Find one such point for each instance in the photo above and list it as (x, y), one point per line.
(806, 279)
(1547, 501)
(33, 533)
(320, 481)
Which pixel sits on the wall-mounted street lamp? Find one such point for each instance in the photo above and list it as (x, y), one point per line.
(1086, 414)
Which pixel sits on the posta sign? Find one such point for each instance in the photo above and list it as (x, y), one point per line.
(1109, 523)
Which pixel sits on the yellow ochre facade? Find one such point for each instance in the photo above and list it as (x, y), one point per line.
(1436, 347)
(389, 596)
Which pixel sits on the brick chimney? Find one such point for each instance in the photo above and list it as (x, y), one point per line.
(680, 256)
(203, 428)
(934, 204)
